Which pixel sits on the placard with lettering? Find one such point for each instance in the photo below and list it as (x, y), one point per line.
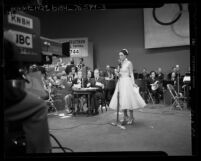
(78, 46)
(23, 39)
(20, 20)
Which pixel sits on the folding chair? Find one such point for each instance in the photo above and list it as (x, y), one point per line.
(150, 98)
(178, 99)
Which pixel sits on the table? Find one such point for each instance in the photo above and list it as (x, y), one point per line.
(86, 91)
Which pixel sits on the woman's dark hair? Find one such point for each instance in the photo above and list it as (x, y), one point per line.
(124, 51)
(152, 72)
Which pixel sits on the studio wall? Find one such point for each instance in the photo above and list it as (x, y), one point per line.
(110, 31)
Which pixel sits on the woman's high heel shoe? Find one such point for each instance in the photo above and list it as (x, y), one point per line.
(124, 121)
(131, 121)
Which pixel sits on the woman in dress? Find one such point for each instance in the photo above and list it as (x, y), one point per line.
(129, 97)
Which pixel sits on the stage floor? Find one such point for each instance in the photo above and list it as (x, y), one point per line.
(156, 129)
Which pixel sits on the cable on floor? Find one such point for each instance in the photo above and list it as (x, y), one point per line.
(60, 146)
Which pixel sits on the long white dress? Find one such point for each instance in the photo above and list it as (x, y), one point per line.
(129, 96)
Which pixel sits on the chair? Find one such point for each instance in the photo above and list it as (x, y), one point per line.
(178, 98)
(150, 98)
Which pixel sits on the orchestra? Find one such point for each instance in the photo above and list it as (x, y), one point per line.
(155, 81)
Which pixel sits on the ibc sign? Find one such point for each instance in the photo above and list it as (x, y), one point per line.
(23, 39)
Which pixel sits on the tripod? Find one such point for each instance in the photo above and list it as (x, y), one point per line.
(117, 123)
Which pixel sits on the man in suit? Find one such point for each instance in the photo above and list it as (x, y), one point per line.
(87, 80)
(99, 82)
(69, 67)
(144, 75)
(81, 64)
(174, 70)
(160, 75)
(72, 75)
(80, 83)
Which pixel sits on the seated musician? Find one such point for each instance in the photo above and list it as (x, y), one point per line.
(109, 89)
(81, 64)
(160, 75)
(174, 70)
(154, 87)
(72, 75)
(173, 80)
(144, 75)
(79, 83)
(69, 67)
(87, 80)
(99, 82)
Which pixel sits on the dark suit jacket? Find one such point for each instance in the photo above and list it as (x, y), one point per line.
(169, 76)
(160, 77)
(100, 79)
(86, 81)
(143, 76)
(106, 73)
(68, 68)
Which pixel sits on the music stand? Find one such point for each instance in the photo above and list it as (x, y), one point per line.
(178, 83)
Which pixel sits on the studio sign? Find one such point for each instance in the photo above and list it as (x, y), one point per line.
(20, 20)
(23, 39)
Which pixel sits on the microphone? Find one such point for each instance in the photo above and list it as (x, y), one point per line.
(120, 65)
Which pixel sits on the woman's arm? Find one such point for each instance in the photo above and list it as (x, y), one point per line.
(131, 73)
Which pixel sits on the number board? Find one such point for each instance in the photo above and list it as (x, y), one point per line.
(74, 52)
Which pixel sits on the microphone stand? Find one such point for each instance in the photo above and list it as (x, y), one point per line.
(178, 79)
(117, 123)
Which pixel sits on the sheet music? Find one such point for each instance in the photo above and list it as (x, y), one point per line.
(187, 79)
